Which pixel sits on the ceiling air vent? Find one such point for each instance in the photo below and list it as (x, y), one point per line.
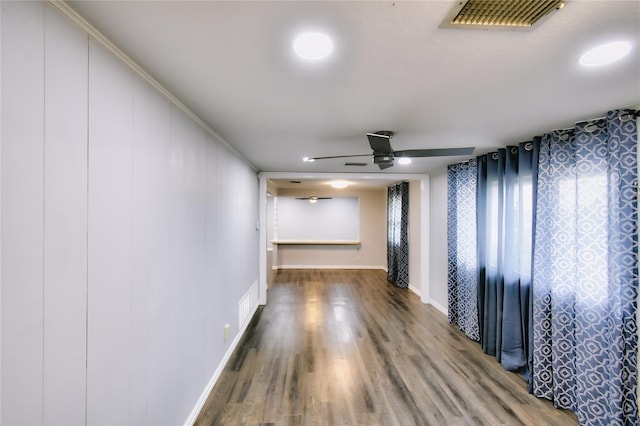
(355, 164)
(500, 14)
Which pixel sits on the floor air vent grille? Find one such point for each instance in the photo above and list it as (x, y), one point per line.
(247, 305)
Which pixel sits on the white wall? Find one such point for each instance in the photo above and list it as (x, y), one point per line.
(417, 259)
(438, 240)
(127, 236)
(335, 218)
(270, 220)
(22, 215)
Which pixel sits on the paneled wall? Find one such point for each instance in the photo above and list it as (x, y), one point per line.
(127, 235)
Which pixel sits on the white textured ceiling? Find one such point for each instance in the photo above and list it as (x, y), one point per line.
(392, 68)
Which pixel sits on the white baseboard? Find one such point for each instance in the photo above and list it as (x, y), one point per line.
(331, 267)
(193, 416)
(415, 290)
(439, 307)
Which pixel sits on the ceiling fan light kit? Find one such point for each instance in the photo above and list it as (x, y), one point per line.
(313, 199)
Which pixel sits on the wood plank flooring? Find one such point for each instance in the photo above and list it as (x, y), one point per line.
(347, 348)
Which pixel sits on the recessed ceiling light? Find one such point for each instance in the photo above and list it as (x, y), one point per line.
(404, 160)
(339, 184)
(605, 53)
(313, 46)
(308, 160)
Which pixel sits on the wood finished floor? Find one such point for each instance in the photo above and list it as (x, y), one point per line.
(346, 347)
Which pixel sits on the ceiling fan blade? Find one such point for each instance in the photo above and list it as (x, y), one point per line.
(380, 143)
(338, 156)
(442, 152)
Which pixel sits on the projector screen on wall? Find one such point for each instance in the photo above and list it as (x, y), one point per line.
(334, 219)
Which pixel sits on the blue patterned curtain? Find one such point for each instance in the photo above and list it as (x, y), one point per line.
(585, 274)
(461, 245)
(398, 234)
(505, 188)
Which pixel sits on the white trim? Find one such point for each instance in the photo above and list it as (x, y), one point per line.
(193, 416)
(384, 177)
(425, 239)
(85, 26)
(0, 211)
(262, 241)
(439, 307)
(331, 267)
(317, 242)
(416, 290)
